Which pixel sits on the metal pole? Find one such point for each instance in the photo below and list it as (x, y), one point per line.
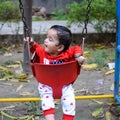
(38, 99)
(117, 57)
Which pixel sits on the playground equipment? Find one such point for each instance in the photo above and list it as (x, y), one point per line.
(117, 59)
(117, 73)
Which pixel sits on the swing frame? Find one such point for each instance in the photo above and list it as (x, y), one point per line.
(117, 57)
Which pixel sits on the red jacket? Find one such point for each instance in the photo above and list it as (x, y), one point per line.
(66, 56)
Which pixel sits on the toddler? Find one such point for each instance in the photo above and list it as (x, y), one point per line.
(56, 51)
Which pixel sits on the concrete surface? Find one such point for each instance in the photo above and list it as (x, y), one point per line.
(40, 27)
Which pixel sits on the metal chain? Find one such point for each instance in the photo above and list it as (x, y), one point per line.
(26, 29)
(84, 31)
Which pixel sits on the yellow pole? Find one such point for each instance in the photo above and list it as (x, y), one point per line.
(94, 97)
(38, 99)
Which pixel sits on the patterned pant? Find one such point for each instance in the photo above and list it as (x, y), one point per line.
(67, 99)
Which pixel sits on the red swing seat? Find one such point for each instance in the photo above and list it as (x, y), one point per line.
(56, 75)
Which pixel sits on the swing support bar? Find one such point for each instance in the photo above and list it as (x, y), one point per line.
(117, 59)
(38, 99)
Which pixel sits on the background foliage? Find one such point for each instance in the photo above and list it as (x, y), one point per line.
(102, 14)
(9, 11)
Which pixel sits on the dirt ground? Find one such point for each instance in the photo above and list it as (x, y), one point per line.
(88, 83)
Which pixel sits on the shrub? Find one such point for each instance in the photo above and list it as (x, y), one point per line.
(9, 11)
(101, 56)
(59, 15)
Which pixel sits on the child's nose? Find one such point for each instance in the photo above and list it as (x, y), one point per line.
(45, 41)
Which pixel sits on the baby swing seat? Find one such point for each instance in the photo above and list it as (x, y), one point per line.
(56, 75)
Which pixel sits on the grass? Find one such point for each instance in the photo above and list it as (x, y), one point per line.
(100, 56)
(37, 19)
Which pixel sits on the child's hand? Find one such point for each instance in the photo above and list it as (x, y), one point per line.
(30, 40)
(80, 60)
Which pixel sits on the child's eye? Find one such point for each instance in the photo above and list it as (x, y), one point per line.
(50, 39)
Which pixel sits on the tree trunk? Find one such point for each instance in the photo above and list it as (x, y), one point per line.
(27, 5)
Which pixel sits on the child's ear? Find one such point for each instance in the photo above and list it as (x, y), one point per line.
(61, 48)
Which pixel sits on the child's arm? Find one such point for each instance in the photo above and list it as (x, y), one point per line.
(32, 43)
(78, 55)
(33, 49)
(30, 40)
(80, 59)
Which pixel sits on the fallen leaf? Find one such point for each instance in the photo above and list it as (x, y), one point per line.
(8, 107)
(14, 80)
(19, 80)
(99, 102)
(8, 54)
(7, 84)
(86, 54)
(26, 94)
(89, 66)
(113, 101)
(2, 79)
(81, 90)
(19, 88)
(98, 113)
(22, 76)
(108, 115)
(99, 46)
(13, 66)
(110, 72)
(16, 118)
(5, 69)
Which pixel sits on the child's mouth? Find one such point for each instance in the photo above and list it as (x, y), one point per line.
(45, 45)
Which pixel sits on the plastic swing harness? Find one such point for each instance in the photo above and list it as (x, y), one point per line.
(56, 76)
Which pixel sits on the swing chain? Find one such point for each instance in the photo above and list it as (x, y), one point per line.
(26, 29)
(84, 31)
(87, 17)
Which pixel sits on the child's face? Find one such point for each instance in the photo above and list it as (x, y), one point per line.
(51, 43)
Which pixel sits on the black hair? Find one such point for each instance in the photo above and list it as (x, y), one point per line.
(64, 35)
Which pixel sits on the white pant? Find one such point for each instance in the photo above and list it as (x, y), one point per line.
(67, 99)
